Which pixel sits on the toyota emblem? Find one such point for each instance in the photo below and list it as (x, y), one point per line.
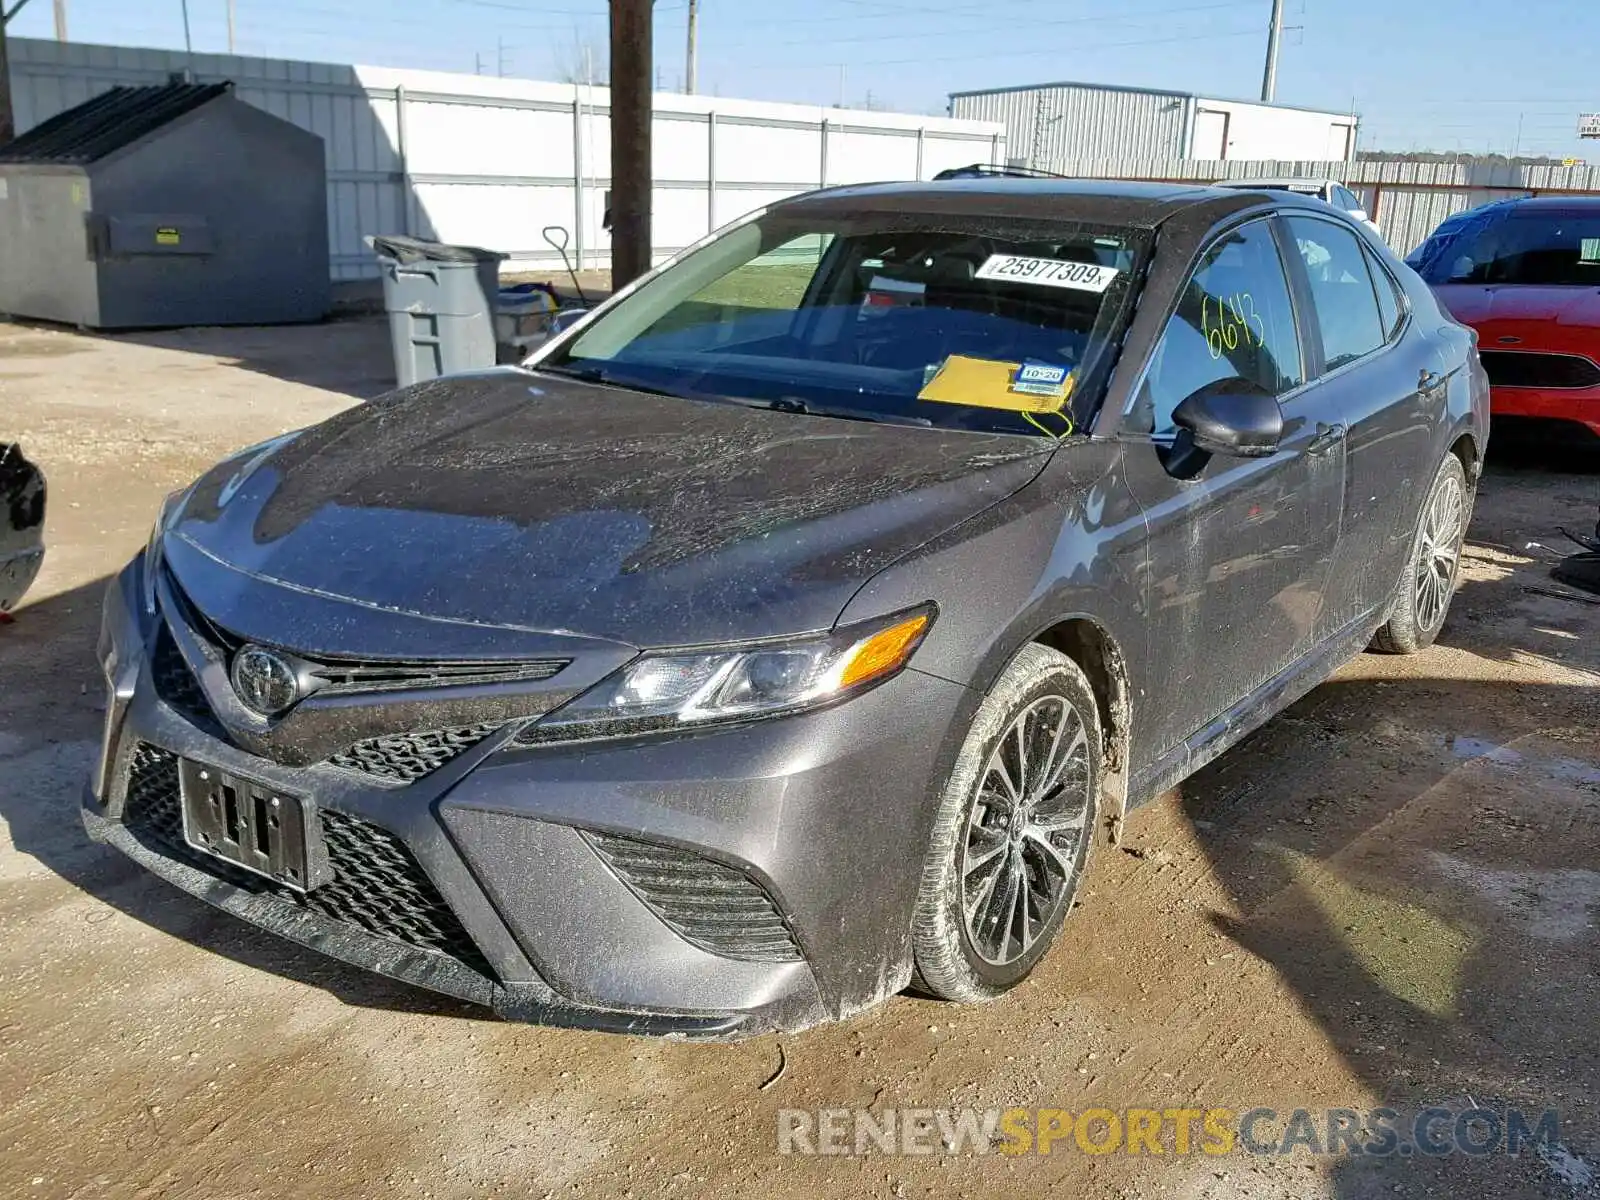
(264, 681)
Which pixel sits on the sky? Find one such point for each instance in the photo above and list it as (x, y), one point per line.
(1467, 75)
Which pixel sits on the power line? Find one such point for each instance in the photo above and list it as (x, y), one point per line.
(1124, 18)
(1012, 54)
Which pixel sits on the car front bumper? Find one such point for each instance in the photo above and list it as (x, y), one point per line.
(730, 882)
(1578, 406)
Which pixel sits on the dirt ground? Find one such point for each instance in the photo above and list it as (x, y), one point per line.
(1386, 896)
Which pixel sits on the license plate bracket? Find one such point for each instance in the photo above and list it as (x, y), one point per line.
(252, 825)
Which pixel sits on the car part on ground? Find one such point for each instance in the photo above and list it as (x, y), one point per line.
(1581, 570)
(736, 608)
(22, 496)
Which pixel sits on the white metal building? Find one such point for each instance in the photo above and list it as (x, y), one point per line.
(1050, 124)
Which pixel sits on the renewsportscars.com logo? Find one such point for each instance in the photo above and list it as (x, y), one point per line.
(1377, 1132)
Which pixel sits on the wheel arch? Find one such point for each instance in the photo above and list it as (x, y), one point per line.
(1466, 448)
(1092, 646)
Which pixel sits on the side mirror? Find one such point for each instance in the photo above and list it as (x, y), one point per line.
(1231, 416)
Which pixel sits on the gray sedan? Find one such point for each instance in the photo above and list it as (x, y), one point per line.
(789, 631)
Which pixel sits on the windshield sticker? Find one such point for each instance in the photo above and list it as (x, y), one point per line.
(1041, 379)
(984, 383)
(1047, 272)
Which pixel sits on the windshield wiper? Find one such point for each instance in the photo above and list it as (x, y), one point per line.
(793, 404)
(788, 404)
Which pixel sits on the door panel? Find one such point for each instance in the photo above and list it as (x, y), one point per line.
(1380, 397)
(1238, 554)
(1236, 564)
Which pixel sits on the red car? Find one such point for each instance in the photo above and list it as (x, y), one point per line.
(1526, 275)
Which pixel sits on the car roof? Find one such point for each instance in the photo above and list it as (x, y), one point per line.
(1278, 181)
(1100, 201)
(1556, 205)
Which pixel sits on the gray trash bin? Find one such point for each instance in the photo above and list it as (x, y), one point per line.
(441, 304)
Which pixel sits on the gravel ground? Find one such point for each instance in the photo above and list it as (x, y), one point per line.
(1387, 896)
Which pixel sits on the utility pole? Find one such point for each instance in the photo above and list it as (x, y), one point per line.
(188, 46)
(631, 30)
(230, 25)
(694, 47)
(61, 20)
(1269, 79)
(500, 56)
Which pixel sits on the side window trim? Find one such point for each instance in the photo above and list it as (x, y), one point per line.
(1402, 301)
(1273, 221)
(1313, 359)
(1299, 270)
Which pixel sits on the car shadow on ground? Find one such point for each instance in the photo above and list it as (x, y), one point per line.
(1414, 857)
(49, 732)
(351, 355)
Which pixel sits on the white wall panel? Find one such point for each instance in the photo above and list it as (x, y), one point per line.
(942, 153)
(680, 149)
(866, 157)
(761, 154)
(481, 139)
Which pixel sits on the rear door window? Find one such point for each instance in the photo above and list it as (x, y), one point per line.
(1234, 321)
(1342, 293)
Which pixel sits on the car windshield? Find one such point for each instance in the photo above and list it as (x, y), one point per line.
(996, 326)
(1532, 248)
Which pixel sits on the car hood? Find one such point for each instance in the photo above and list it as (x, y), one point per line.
(1484, 304)
(534, 503)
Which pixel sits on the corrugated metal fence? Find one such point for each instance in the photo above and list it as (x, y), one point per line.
(1407, 199)
(491, 162)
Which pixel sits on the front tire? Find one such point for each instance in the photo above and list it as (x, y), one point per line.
(1428, 581)
(1013, 830)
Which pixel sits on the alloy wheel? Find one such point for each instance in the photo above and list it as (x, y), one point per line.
(1025, 830)
(1443, 529)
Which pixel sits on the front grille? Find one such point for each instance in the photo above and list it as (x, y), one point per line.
(717, 907)
(377, 885)
(403, 757)
(1531, 369)
(177, 686)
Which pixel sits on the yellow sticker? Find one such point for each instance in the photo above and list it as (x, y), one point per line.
(167, 236)
(985, 383)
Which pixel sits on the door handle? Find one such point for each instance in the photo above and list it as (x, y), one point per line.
(1327, 437)
(1429, 381)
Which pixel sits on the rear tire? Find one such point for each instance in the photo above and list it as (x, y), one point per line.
(1012, 834)
(1428, 580)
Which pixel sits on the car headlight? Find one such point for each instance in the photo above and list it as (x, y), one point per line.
(669, 689)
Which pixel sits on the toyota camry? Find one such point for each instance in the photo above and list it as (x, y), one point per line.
(789, 631)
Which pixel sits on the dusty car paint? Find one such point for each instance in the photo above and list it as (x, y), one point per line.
(517, 515)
